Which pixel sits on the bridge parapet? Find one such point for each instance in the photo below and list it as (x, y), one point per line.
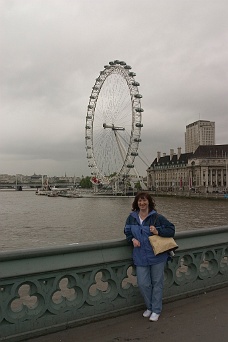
(49, 289)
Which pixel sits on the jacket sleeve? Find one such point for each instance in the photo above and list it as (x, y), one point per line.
(165, 228)
(127, 230)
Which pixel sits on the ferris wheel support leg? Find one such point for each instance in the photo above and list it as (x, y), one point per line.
(121, 147)
(143, 185)
(95, 188)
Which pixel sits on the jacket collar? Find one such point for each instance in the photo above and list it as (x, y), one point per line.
(135, 214)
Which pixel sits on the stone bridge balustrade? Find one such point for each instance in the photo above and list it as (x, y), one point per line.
(49, 289)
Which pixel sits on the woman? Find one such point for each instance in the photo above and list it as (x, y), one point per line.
(142, 222)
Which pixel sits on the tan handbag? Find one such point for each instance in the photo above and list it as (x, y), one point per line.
(162, 244)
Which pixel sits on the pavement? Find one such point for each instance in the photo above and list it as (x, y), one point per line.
(202, 318)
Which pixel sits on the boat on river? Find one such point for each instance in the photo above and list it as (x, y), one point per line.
(53, 193)
(45, 191)
(45, 188)
(69, 194)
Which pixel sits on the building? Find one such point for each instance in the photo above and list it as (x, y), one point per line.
(204, 170)
(201, 132)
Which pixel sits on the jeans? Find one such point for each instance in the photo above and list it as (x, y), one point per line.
(150, 281)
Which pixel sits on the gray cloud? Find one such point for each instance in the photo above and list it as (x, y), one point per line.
(53, 50)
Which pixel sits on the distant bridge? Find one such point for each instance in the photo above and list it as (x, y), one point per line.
(37, 184)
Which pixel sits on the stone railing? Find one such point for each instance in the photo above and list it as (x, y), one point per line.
(50, 289)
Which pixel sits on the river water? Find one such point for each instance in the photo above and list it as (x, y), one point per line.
(31, 221)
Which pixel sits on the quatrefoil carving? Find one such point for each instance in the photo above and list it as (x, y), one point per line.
(101, 283)
(27, 301)
(65, 291)
(209, 266)
(187, 271)
(130, 279)
(224, 262)
(26, 298)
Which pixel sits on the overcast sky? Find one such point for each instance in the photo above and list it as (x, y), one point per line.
(53, 50)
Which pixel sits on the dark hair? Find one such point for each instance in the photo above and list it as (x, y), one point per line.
(143, 195)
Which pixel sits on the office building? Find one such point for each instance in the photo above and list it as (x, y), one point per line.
(199, 133)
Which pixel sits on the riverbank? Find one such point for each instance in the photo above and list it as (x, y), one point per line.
(190, 195)
(178, 194)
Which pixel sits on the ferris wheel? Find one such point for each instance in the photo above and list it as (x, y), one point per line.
(113, 124)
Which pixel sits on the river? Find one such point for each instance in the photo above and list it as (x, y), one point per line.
(31, 221)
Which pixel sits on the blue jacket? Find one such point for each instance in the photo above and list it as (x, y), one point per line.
(144, 255)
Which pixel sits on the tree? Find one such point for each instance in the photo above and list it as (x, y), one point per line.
(86, 183)
(138, 186)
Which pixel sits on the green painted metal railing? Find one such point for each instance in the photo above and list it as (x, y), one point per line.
(49, 289)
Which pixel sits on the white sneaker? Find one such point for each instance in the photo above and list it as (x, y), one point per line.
(154, 317)
(171, 253)
(147, 313)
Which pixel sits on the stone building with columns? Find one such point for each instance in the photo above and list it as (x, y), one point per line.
(204, 170)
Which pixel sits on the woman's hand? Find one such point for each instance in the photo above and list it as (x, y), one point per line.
(153, 230)
(135, 242)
